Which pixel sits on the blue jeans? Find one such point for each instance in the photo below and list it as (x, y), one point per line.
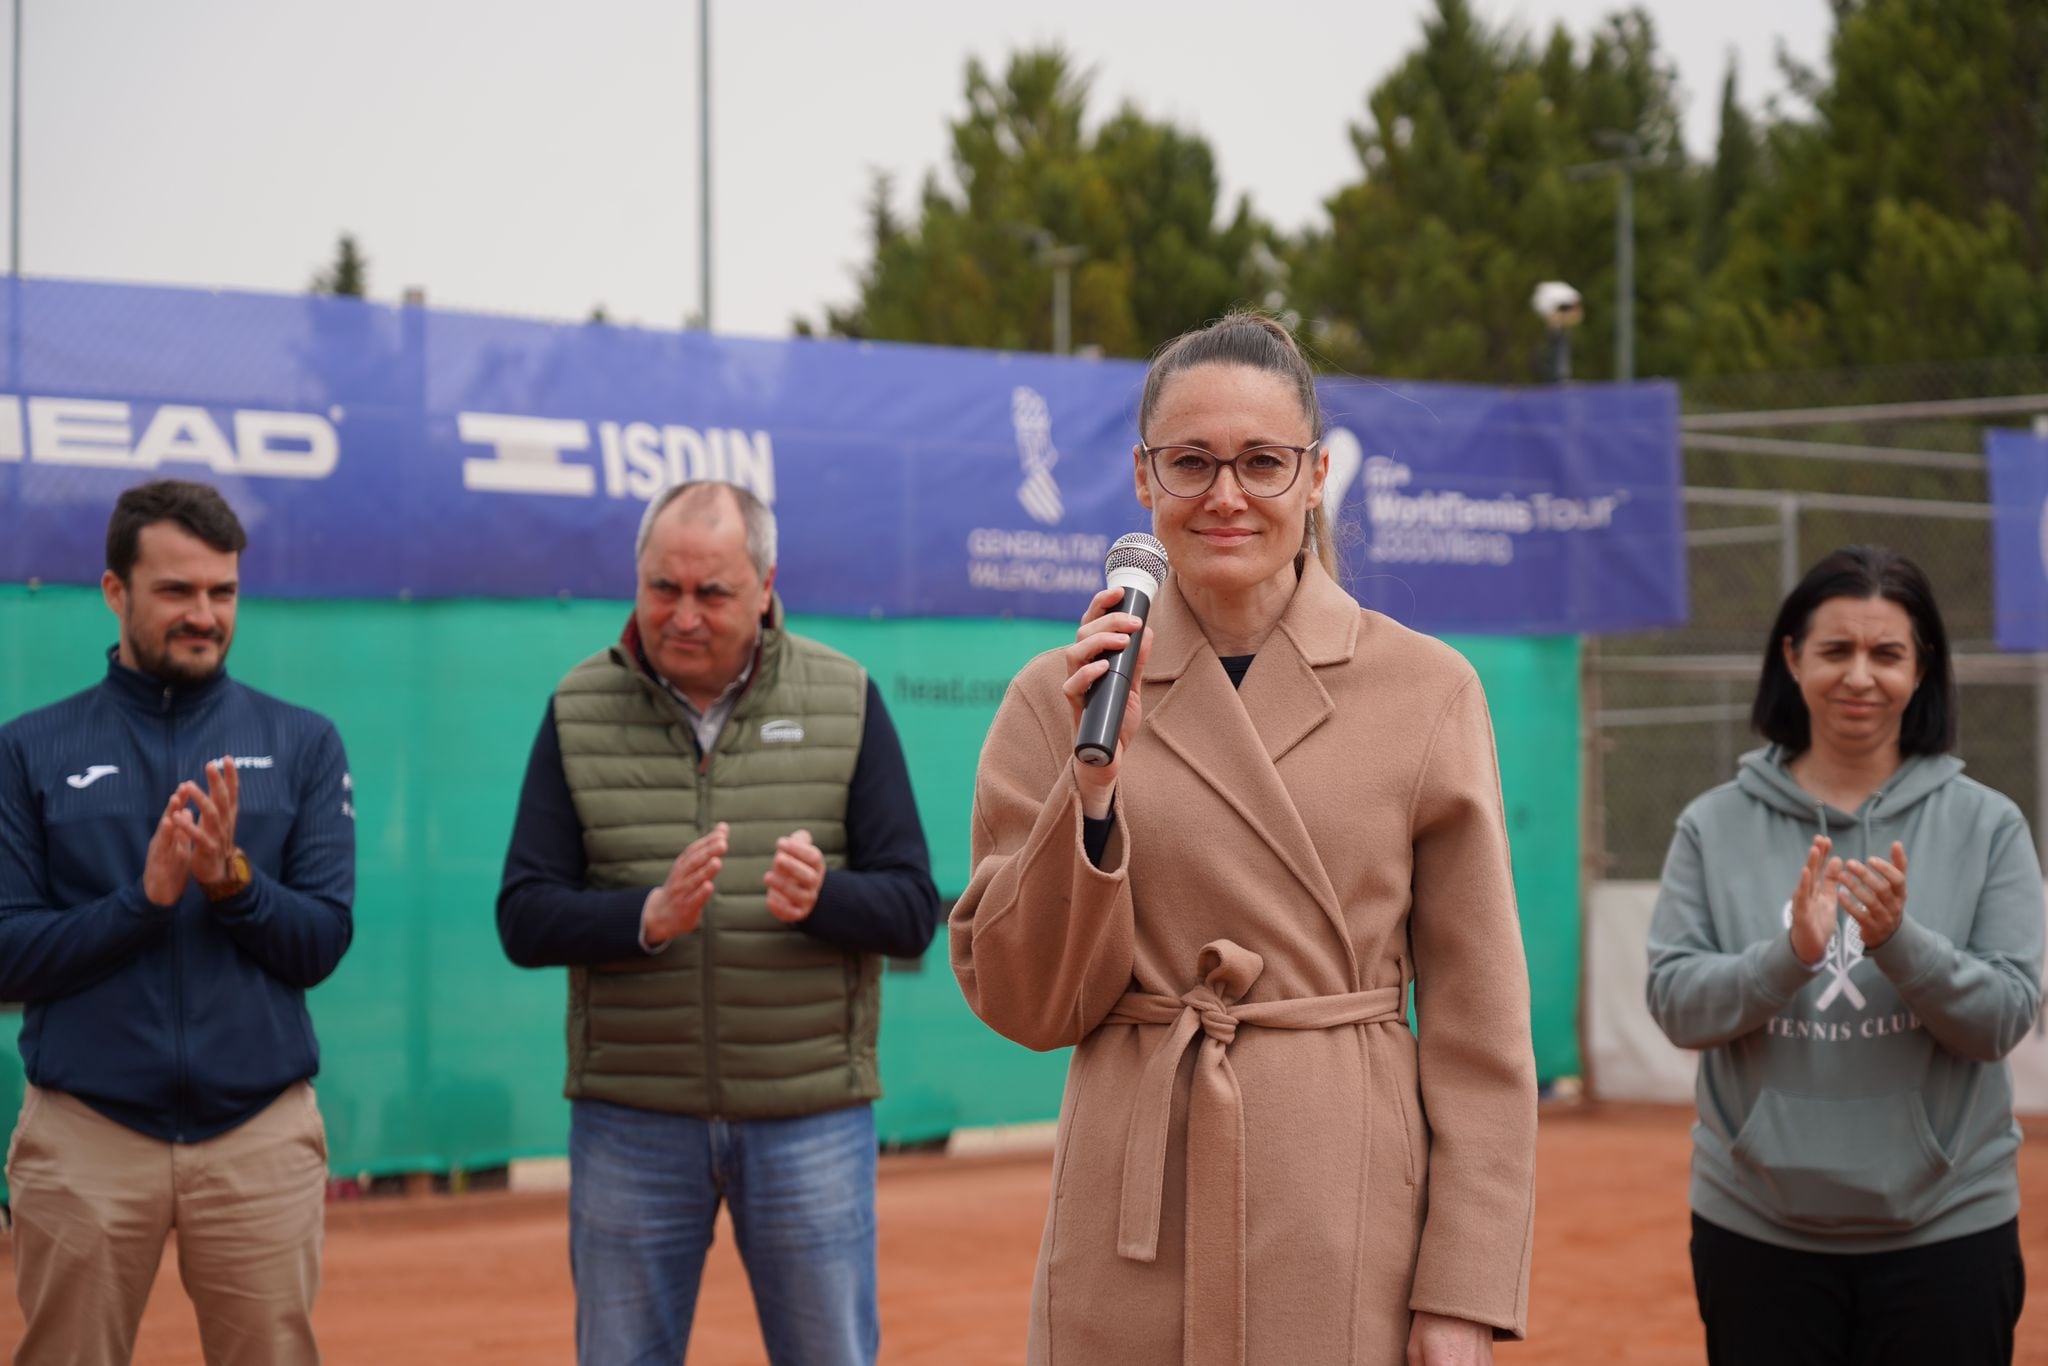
(643, 1197)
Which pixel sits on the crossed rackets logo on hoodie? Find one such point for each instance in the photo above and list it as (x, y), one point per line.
(1843, 953)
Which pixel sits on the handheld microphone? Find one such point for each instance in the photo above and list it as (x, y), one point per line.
(1136, 564)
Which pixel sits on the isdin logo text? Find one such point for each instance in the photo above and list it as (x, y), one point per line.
(636, 459)
(1032, 420)
(112, 435)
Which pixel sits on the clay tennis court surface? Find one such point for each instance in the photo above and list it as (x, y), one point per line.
(484, 1278)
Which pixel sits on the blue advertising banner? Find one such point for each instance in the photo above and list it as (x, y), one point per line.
(376, 451)
(2019, 537)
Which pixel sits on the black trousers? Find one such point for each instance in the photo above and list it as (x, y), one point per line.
(1950, 1303)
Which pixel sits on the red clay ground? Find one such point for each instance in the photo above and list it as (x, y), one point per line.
(475, 1279)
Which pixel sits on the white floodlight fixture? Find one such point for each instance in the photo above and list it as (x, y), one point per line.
(1558, 304)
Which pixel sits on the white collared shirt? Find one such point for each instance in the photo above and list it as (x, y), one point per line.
(708, 723)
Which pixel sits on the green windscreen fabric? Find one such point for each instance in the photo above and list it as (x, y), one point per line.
(437, 1053)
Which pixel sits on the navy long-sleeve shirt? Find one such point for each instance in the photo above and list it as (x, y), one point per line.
(178, 1021)
(883, 901)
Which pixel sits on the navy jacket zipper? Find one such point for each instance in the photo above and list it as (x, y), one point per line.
(181, 1101)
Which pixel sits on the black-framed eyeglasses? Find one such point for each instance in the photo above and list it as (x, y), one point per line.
(1262, 471)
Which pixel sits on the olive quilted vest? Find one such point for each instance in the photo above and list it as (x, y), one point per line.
(746, 1017)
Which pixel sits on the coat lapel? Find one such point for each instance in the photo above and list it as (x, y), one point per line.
(1232, 741)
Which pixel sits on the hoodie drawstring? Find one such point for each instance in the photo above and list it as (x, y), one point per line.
(1820, 813)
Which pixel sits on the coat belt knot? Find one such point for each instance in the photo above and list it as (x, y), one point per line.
(1213, 1297)
(1213, 1014)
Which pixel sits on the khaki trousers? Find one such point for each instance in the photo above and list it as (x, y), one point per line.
(93, 1201)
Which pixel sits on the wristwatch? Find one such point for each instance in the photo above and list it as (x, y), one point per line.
(235, 883)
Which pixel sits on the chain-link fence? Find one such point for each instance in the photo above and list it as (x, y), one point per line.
(1781, 469)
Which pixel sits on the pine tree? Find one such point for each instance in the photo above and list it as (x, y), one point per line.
(1136, 201)
(350, 273)
(1733, 175)
(1464, 203)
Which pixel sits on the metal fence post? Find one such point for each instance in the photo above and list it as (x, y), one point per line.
(2041, 729)
(1592, 833)
(1788, 543)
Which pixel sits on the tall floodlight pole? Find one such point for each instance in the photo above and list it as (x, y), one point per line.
(1625, 165)
(1625, 273)
(1063, 260)
(1561, 309)
(1048, 251)
(14, 159)
(703, 158)
(1062, 307)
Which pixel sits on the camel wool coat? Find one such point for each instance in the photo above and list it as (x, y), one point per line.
(1257, 1161)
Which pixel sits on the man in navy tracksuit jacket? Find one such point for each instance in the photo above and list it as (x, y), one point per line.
(177, 864)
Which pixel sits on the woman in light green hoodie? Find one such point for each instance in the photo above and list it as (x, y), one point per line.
(1851, 934)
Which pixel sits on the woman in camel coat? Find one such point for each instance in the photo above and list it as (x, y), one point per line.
(1257, 1161)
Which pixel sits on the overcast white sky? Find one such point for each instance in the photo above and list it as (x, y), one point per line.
(540, 156)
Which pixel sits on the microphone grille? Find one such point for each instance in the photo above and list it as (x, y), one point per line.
(1137, 550)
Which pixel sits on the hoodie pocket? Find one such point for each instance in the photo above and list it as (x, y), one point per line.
(1864, 1164)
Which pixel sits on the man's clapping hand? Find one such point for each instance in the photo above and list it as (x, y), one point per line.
(675, 907)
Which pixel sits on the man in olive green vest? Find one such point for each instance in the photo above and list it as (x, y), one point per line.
(717, 838)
